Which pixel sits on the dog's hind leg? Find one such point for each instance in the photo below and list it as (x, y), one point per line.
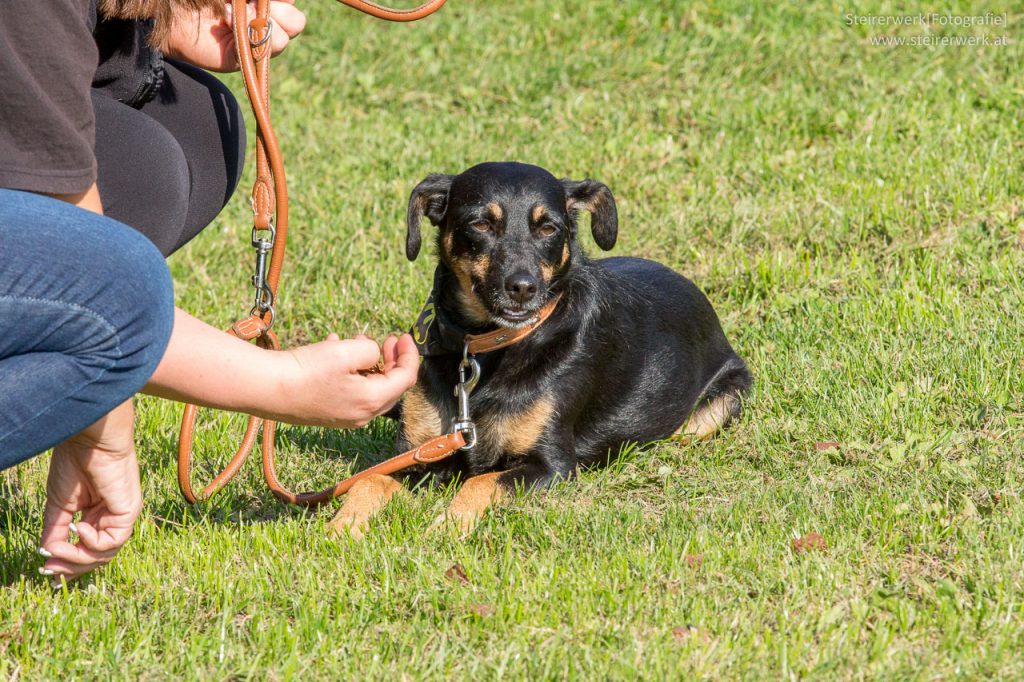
(366, 498)
(722, 402)
(709, 418)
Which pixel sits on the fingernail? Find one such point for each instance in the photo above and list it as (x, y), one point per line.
(43, 552)
(73, 528)
(45, 571)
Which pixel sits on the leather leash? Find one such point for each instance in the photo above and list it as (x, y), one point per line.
(269, 235)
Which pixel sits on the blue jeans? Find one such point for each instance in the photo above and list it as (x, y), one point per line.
(86, 308)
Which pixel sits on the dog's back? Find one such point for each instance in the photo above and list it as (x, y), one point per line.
(662, 354)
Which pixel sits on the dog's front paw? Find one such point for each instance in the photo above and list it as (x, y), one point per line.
(366, 498)
(469, 504)
(466, 522)
(348, 523)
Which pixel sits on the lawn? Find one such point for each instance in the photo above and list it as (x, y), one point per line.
(853, 211)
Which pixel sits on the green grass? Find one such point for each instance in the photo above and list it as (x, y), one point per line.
(854, 213)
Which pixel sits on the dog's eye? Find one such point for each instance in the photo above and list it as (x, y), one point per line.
(547, 230)
(481, 226)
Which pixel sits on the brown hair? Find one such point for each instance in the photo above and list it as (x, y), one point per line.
(161, 11)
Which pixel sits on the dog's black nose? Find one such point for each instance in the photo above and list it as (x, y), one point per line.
(521, 287)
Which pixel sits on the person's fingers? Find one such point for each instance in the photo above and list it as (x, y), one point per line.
(289, 18)
(56, 522)
(76, 555)
(288, 23)
(360, 353)
(278, 41)
(389, 350)
(407, 355)
(333, 337)
(103, 538)
(402, 376)
(54, 568)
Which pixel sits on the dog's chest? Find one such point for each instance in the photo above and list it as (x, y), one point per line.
(503, 428)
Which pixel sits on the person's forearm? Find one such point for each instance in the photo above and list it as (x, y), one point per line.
(320, 384)
(206, 366)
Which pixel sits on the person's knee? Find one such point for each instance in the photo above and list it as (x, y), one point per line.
(146, 315)
(202, 115)
(127, 284)
(143, 175)
(231, 123)
(212, 100)
(92, 308)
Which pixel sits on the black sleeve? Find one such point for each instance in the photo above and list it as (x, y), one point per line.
(47, 126)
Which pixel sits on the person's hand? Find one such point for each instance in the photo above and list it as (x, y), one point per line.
(95, 473)
(205, 38)
(326, 384)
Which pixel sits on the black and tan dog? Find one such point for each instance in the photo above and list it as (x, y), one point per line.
(632, 352)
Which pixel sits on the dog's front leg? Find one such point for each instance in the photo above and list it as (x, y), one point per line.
(552, 459)
(470, 503)
(366, 498)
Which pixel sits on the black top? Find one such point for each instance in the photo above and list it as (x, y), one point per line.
(53, 53)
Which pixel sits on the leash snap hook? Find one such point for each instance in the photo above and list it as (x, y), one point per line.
(264, 301)
(463, 422)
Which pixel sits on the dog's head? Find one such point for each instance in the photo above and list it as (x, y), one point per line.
(508, 233)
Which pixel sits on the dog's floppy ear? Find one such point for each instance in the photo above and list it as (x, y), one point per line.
(595, 197)
(429, 198)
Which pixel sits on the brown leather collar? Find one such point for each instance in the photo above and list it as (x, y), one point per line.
(503, 338)
(436, 334)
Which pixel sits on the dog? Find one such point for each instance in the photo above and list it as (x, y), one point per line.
(629, 351)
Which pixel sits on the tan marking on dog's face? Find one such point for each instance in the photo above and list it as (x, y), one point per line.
(548, 271)
(537, 213)
(516, 434)
(471, 502)
(469, 303)
(421, 421)
(709, 418)
(480, 266)
(496, 211)
(366, 498)
(447, 242)
(464, 268)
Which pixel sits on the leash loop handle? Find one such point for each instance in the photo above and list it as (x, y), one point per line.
(390, 14)
(270, 213)
(265, 338)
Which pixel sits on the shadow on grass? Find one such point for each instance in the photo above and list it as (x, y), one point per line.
(301, 454)
(20, 524)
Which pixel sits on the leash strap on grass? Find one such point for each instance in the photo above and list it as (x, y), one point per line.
(269, 235)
